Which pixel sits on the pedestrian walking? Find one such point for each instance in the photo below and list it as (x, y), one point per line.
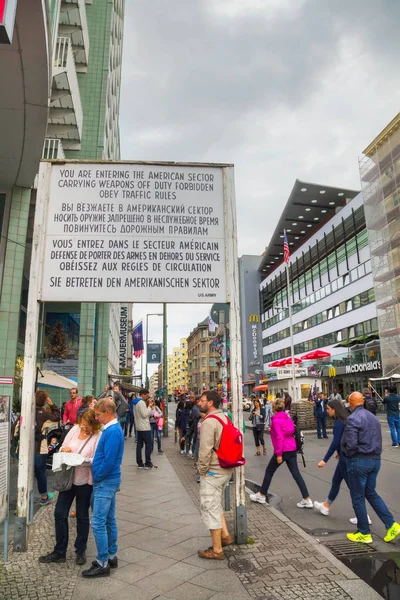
(106, 471)
(182, 421)
(361, 445)
(142, 412)
(155, 415)
(47, 413)
(82, 439)
(131, 417)
(288, 401)
(285, 450)
(257, 418)
(191, 430)
(370, 402)
(392, 405)
(213, 478)
(71, 407)
(320, 414)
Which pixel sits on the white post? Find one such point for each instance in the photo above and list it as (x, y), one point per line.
(232, 283)
(27, 430)
(291, 333)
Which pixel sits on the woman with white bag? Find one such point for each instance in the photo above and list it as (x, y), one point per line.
(81, 439)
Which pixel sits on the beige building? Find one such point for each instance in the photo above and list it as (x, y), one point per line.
(153, 384)
(203, 360)
(178, 368)
(380, 179)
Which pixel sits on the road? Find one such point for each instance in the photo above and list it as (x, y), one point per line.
(318, 483)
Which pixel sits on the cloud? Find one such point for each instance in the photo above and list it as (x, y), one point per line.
(285, 89)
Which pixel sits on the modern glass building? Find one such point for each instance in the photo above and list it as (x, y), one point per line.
(380, 180)
(73, 74)
(331, 290)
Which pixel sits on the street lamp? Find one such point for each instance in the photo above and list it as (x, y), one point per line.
(147, 341)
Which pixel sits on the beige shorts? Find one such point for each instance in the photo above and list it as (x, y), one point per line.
(212, 499)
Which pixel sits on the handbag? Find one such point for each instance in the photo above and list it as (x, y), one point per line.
(63, 479)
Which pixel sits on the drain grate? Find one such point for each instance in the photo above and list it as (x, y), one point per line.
(343, 548)
(241, 565)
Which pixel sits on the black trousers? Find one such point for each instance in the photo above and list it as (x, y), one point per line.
(82, 494)
(143, 438)
(258, 433)
(290, 458)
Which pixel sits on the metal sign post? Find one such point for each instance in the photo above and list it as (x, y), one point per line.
(140, 232)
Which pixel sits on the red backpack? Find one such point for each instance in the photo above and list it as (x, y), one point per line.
(230, 451)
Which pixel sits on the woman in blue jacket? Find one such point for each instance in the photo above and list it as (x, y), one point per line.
(336, 410)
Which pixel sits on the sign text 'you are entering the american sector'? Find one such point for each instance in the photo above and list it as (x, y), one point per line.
(134, 232)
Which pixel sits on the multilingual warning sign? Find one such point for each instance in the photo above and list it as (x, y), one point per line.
(136, 232)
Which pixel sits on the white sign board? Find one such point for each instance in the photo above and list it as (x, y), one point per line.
(120, 232)
(5, 425)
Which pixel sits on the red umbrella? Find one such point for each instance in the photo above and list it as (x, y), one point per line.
(260, 388)
(276, 363)
(316, 355)
(288, 361)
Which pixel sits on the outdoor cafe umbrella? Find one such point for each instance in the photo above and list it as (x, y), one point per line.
(316, 355)
(288, 361)
(260, 388)
(275, 363)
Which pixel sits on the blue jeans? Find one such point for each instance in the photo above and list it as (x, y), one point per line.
(104, 522)
(155, 434)
(40, 473)
(394, 426)
(321, 425)
(362, 474)
(338, 476)
(290, 458)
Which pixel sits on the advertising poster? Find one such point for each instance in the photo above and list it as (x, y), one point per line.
(61, 343)
(4, 454)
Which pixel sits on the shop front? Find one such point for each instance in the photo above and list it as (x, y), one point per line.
(354, 377)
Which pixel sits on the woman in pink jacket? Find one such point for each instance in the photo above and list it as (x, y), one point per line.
(284, 443)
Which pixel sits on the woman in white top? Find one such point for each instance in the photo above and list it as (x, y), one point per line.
(82, 438)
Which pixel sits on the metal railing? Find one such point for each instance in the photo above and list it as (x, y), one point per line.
(53, 149)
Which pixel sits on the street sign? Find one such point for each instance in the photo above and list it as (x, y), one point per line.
(134, 232)
(154, 353)
(6, 380)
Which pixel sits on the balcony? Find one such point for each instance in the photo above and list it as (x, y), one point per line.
(65, 114)
(53, 149)
(73, 24)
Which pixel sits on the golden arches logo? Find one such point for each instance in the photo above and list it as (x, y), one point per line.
(253, 319)
(332, 371)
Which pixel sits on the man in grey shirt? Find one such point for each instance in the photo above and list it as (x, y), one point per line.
(336, 395)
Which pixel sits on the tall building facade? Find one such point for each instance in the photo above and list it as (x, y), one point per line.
(380, 180)
(203, 360)
(83, 125)
(332, 290)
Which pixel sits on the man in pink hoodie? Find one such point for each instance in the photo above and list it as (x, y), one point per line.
(284, 443)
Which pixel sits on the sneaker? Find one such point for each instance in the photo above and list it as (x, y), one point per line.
(149, 467)
(140, 466)
(353, 520)
(44, 501)
(96, 571)
(52, 557)
(305, 503)
(80, 558)
(190, 453)
(322, 508)
(360, 538)
(258, 498)
(395, 446)
(183, 452)
(392, 533)
(161, 452)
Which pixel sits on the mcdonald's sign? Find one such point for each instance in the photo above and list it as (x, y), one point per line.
(253, 319)
(332, 371)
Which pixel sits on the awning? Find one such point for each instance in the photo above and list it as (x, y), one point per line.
(54, 380)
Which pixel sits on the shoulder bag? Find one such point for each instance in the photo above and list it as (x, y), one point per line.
(63, 479)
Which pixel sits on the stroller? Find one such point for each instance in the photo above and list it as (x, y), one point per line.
(55, 437)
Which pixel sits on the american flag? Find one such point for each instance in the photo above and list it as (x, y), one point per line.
(286, 253)
(313, 393)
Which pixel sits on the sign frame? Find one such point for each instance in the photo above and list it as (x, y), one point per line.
(231, 270)
(155, 349)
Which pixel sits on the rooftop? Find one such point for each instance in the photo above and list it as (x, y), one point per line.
(309, 206)
(383, 136)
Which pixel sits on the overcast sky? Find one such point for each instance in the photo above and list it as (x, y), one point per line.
(284, 89)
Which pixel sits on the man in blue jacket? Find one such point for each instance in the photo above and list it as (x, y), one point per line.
(391, 403)
(361, 446)
(320, 414)
(106, 469)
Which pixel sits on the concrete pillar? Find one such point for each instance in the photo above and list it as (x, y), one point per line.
(86, 349)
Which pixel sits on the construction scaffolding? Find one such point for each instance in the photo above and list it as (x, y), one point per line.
(380, 182)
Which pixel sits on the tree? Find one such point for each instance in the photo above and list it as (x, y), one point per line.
(57, 343)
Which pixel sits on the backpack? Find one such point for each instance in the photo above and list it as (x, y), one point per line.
(230, 451)
(370, 404)
(299, 438)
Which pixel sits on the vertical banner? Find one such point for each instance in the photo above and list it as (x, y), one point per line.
(123, 337)
(5, 429)
(137, 340)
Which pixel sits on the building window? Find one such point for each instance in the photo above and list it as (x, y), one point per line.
(203, 361)
(204, 333)
(203, 347)
(212, 362)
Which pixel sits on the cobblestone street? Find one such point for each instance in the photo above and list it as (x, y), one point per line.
(160, 531)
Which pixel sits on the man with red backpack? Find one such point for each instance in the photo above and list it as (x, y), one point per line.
(221, 449)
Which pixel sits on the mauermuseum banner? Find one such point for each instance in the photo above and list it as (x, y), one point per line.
(139, 232)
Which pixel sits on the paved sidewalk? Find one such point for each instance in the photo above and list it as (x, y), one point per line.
(160, 533)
